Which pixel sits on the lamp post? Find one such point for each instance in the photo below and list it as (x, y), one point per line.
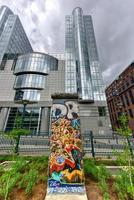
(24, 102)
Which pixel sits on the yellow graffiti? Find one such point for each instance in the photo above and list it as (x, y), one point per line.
(74, 176)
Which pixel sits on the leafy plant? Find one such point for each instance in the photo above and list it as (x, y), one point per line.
(29, 180)
(19, 165)
(100, 173)
(24, 172)
(90, 168)
(9, 178)
(8, 182)
(103, 173)
(103, 176)
(123, 185)
(125, 179)
(125, 131)
(16, 134)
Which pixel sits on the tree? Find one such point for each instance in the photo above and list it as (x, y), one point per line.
(17, 132)
(124, 130)
(125, 179)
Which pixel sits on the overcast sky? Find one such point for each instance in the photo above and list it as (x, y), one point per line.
(43, 21)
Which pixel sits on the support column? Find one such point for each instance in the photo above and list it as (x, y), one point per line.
(3, 117)
(45, 120)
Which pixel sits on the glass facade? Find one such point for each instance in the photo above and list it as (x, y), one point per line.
(31, 70)
(36, 62)
(4, 13)
(25, 81)
(31, 95)
(83, 74)
(31, 119)
(13, 39)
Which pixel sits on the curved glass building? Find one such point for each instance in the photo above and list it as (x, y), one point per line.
(31, 70)
(83, 74)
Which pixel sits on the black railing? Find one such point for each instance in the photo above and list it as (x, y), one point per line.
(93, 145)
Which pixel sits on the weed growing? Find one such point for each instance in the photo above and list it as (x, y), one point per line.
(100, 174)
(24, 172)
(125, 179)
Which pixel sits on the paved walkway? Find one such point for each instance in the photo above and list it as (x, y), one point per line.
(66, 197)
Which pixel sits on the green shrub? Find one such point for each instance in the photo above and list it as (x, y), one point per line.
(24, 172)
(100, 173)
(123, 185)
(28, 181)
(90, 168)
(7, 182)
(125, 179)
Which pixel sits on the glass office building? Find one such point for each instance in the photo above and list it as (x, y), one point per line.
(33, 77)
(82, 70)
(13, 39)
(31, 70)
(4, 13)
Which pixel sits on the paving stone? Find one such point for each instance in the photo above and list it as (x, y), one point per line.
(66, 197)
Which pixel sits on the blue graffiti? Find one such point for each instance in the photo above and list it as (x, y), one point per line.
(72, 189)
(75, 123)
(57, 176)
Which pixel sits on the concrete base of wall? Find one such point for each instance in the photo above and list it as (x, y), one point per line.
(66, 197)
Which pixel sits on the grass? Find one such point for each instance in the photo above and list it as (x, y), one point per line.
(28, 171)
(24, 173)
(100, 174)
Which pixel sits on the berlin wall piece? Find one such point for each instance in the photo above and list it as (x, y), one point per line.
(65, 161)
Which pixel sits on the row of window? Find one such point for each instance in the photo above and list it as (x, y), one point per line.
(125, 101)
(30, 95)
(31, 118)
(35, 62)
(29, 80)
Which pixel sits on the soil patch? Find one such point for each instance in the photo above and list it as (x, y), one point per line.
(112, 192)
(94, 192)
(39, 193)
(92, 189)
(40, 190)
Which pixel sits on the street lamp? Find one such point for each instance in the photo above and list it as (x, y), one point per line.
(24, 102)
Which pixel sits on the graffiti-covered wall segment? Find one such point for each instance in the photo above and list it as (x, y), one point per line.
(65, 162)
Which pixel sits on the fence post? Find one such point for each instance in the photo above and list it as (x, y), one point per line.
(92, 144)
(130, 148)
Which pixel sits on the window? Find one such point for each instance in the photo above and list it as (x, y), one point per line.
(31, 118)
(127, 100)
(131, 96)
(127, 83)
(122, 99)
(102, 111)
(123, 87)
(132, 79)
(100, 124)
(130, 113)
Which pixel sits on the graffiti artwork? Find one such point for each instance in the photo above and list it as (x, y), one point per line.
(65, 161)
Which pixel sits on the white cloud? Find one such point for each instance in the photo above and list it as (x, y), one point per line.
(43, 21)
(52, 6)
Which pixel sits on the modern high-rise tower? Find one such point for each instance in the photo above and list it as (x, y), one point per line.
(82, 75)
(34, 77)
(13, 39)
(4, 13)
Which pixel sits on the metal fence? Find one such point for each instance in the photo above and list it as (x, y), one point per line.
(93, 145)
